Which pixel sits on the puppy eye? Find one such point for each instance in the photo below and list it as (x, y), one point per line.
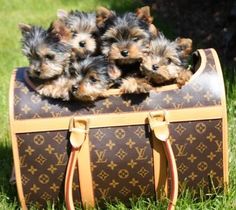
(94, 34)
(74, 33)
(49, 56)
(112, 40)
(168, 61)
(182, 48)
(135, 39)
(93, 79)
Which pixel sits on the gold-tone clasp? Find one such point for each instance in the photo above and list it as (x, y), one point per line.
(158, 122)
(79, 130)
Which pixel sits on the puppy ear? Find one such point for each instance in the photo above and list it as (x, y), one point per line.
(62, 14)
(154, 31)
(144, 14)
(102, 14)
(184, 46)
(60, 30)
(24, 28)
(184, 41)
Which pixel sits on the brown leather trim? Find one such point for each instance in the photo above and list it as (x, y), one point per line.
(160, 126)
(160, 168)
(224, 120)
(85, 175)
(173, 174)
(201, 64)
(116, 119)
(69, 180)
(80, 155)
(14, 144)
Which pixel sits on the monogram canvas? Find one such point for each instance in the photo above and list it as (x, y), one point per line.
(198, 93)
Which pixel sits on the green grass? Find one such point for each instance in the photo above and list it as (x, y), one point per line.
(42, 12)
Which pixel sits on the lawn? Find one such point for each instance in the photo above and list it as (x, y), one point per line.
(42, 12)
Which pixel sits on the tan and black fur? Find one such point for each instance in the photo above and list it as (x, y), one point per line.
(79, 30)
(165, 64)
(49, 60)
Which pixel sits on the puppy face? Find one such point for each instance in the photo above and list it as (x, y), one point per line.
(48, 57)
(163, 63)
(94, 79)
(79, 30)
(126, 38)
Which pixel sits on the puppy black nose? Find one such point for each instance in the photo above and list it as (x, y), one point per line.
(37, 72)
(82, 44)
(124, 53)
(154, 67)
(74, 88)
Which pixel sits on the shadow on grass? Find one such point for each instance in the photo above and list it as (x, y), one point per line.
(6, 162)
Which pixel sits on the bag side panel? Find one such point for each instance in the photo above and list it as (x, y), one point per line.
(198, 149)
(43, 161)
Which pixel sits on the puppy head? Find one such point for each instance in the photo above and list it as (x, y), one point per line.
(94, 79)
(78, 29)
(163, 63)
(126, 39)
(48, 57)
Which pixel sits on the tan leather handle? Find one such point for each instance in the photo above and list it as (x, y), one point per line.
(173, 174)
(158, 122)
(79, 156)
(69, 179)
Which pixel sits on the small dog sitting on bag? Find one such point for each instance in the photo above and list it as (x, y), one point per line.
(82, 55)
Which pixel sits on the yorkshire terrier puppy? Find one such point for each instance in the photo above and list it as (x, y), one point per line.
(125, 38)
(125, 41)
(77, 29)
(49, 61)
(95, 79)
(164, 65)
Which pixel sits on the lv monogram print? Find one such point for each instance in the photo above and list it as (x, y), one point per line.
(121, 157)
(122, 164)
(198, 148)
(43, 161)
(121, 161)
(202, 91)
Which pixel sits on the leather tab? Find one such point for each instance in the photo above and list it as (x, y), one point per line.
(162, 132)
(79, 130)
(159, 124)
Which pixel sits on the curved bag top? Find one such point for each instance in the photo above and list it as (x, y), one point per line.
(205, 88)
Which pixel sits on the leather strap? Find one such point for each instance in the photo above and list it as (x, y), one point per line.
(159, 125)
(79, 157)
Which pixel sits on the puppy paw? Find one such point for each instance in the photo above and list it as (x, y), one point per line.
(128, 85)
(135, 85)
(114, 72)
(54, 92)
(183, 77)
